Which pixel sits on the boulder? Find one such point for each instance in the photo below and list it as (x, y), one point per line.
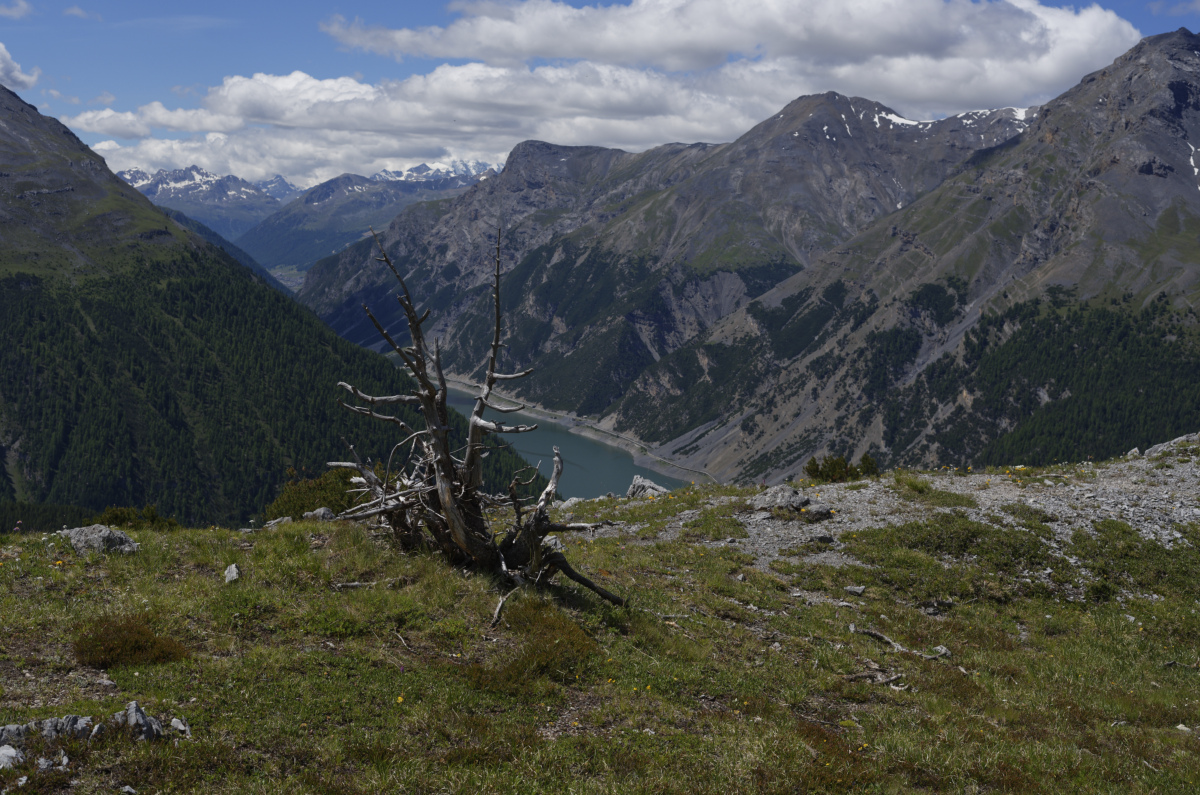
(320, 515)
(10, 757)
(817, 513)
(98, 538)
(641, 488)
(134, 717)
(232, 572)
(72, 727)
(279, 521)
(780, 496)
(12, 734)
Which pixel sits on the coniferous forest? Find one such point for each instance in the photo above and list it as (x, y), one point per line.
(188, 385)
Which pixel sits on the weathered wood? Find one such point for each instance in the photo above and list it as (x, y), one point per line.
(441, 497)
(363, 396)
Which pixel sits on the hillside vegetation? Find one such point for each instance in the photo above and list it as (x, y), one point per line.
(141, 365)
(987, 651)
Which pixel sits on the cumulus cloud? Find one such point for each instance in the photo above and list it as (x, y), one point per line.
(630, 76)
(912, 54)
(11, 74)
(16, 9)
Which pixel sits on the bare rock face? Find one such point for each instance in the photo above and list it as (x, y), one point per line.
(134, 717)
(781, 496)
(99, 538)
(643, 487)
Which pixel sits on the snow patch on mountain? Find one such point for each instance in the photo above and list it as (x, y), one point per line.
(426, 172)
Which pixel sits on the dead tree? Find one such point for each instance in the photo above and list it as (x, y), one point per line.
(433, 495)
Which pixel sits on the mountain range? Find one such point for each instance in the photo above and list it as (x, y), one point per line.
(840, 279)
(142, 364)
(286, 228)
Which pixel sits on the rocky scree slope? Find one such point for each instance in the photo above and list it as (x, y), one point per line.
(1138, 501)
(614, 260)
(923, 339)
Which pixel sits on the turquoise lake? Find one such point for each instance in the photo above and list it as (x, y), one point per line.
(590, 468)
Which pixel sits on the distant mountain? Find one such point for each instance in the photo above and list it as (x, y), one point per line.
(330, 216)
(140, 364)
(280, 188)
(469, 171)
(840, 279)
(228, 205)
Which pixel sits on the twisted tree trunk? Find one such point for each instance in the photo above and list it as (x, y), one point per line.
(432, 495)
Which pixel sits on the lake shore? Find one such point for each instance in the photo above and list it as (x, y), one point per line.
(589, 430)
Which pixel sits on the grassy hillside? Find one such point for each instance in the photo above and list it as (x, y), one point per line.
(721, 677)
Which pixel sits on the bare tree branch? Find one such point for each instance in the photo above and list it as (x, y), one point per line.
(442, 498)
(363, 396)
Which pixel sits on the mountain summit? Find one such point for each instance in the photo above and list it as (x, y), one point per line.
(228, 205)
(741, 307)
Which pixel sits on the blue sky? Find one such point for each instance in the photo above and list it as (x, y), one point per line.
(313, 89)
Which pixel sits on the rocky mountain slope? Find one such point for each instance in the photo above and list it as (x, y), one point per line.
(953, 330)
(841, 279)
(142, 365)
(325, 218)
(647, 250)
(228, 205)
(279, 187)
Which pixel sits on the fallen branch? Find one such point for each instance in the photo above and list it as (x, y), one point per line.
(939, 651)
(559, 562)
(500, 606)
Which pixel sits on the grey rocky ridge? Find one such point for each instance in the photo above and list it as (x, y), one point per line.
(839, 279)
(1154, 495)
(53, 734)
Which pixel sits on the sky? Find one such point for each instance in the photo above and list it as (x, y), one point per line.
(311, 90)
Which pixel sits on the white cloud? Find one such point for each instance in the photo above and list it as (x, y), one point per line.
(11, 74)
(103, 98)
(16, 9)
(61, 96)
(76, 11)
(630, 76)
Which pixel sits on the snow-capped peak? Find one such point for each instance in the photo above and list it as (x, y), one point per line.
(425, 172)
(135, 177)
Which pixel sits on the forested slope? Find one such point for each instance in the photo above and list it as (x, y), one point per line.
(141, 365)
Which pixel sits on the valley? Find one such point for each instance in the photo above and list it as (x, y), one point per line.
(741, 307)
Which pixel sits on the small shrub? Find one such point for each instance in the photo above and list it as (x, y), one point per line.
(147, 518)
(125, 640)
(911, 487)
(300, 495)
(1101, 591)
(554, 647)
(835, 469)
